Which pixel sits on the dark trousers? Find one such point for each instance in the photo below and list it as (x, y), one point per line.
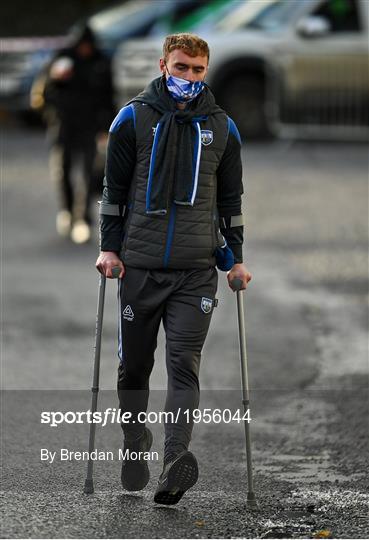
(184, 301)
(64, 157)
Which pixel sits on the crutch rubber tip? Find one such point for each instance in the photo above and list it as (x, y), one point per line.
(251, 502)
(89, 487)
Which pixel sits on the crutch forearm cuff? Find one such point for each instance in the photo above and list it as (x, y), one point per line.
(108, 209)
(231, 221)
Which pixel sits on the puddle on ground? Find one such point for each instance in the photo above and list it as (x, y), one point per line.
(296, 468)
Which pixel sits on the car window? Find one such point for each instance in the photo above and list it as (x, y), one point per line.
(342, 15)
(277, 15)
(119, 21)
(206, 16)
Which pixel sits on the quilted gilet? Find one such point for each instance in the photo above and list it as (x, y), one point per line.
(185, 237)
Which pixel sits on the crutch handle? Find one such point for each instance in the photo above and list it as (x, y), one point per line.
(115, 272)
(237, 284)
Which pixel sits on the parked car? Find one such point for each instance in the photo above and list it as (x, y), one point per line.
(138, 18)
(295, 69)
(22, 59)
(205, 17)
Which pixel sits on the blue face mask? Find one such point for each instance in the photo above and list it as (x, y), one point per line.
(184, 91)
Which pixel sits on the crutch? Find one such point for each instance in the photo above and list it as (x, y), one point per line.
(89, 484)
(236, 285)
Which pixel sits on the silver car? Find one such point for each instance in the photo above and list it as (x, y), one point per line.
(295, 68)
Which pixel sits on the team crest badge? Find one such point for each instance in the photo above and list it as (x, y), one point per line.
(206, 304)
(206, 137)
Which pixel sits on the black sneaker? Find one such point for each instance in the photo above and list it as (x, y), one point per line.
(135, 471)
(177, 477)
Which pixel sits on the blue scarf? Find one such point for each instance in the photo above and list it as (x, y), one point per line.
(176, 149)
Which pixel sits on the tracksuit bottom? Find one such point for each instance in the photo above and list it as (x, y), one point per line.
(184, 300)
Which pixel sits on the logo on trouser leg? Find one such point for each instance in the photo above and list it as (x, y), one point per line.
(128, 313)
(206, 304)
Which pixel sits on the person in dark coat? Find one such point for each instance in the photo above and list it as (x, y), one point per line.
(78, 98)
(171, 214)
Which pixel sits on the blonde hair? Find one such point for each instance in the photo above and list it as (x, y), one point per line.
(189, 43)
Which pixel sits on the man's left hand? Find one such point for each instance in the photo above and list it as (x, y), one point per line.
(239, 271)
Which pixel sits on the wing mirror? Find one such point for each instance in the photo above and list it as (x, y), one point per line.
(313, 26)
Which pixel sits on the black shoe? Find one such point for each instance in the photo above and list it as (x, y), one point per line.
(177, 477)
(135, 472)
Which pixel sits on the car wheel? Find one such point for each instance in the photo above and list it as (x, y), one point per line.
(244, 102)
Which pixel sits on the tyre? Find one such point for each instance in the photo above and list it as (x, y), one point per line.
(244, 101)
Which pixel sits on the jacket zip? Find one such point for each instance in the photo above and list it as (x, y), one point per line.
(172, 214)
(172, 219)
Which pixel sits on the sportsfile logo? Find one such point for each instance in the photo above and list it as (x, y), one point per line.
(128, 313)
(116, 416)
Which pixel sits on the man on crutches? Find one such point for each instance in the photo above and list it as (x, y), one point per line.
(170, 214)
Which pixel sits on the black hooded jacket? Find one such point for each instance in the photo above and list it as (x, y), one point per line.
(150, 130)
(83, 103)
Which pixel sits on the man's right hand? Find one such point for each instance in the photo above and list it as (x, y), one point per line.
(106, 261)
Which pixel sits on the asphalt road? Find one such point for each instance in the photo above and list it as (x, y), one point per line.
(306, 317)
